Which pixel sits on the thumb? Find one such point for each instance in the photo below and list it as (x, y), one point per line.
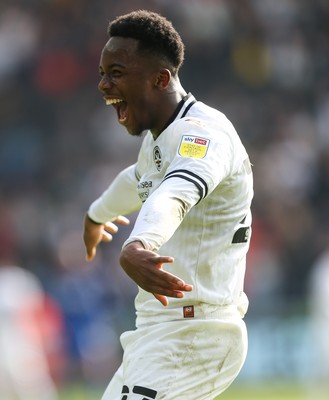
(160, 260)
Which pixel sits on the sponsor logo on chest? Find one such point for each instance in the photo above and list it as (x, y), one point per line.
(143, 188)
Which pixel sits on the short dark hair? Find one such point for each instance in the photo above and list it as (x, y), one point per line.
(155, 34)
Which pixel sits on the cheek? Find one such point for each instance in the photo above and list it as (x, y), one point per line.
(141, 95)
(142, 101)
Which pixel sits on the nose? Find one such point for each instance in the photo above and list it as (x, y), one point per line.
(104, 83)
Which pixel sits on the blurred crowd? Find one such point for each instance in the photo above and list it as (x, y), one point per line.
(264, 63)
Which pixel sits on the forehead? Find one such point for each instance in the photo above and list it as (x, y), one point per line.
(120, 50)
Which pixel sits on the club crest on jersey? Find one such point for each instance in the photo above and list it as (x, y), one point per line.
(193, 146)
(157, 157)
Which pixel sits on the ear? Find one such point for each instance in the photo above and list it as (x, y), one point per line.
(162, 78)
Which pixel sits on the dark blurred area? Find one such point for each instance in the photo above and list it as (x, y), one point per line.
(264, 63)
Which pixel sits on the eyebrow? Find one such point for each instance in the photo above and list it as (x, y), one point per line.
(113, 66)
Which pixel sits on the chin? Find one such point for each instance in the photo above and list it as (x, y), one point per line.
(135, 131)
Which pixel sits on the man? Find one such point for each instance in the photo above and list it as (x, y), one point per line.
(187, 249)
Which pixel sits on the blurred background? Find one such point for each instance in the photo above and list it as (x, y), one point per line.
(265, 64)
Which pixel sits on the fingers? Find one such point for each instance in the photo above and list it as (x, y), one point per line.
(163, 299)
(122, 220)
(95, 233)
(171, 281)
(163, 259)
(186, 287)
(166, 285)
(111, 225)
(145, 268)
(171, 292)
(106, 236)
(93, 241)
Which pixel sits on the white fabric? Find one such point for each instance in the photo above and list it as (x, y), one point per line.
(195, 197)
(173, 198)
(182, 360)
(201, 243)
(196, 186)
(120, 198)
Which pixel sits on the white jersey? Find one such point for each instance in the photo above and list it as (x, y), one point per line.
(198, 162)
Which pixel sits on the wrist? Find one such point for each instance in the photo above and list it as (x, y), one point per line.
(134, 244)
(139, 242)
(92, 220)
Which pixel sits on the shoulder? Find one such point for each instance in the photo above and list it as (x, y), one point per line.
(210, 116)
(205, 122)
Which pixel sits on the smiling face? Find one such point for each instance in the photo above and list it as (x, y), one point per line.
(131, 82)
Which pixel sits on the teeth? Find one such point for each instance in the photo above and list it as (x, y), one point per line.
(108, 102)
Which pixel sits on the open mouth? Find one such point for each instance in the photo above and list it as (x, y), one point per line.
(120, 106)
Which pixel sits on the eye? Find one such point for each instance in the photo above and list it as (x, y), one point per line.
(116, 73)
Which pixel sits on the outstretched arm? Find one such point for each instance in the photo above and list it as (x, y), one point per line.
(120, 198)
(157, 221)
(105, 213)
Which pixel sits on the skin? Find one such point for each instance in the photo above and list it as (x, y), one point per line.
(151, 93)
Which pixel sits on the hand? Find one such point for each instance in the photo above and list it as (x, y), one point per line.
(145, 268)
(95, 233)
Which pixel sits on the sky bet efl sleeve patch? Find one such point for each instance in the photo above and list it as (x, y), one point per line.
(193, 146)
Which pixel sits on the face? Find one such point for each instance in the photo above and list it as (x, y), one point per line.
(128, 84)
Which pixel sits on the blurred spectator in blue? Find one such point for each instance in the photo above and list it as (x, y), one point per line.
(93, 309)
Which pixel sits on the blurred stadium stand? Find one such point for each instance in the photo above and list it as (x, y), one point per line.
(264, 63)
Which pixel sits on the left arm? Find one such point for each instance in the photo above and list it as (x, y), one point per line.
(157, 221)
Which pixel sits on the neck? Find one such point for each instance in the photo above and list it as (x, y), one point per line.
(168, 104)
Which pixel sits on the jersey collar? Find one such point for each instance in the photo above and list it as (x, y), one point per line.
(183, 106)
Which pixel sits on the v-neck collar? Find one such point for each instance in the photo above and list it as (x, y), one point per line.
(181, 110)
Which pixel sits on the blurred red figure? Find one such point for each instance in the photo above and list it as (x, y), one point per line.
(24, 370)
